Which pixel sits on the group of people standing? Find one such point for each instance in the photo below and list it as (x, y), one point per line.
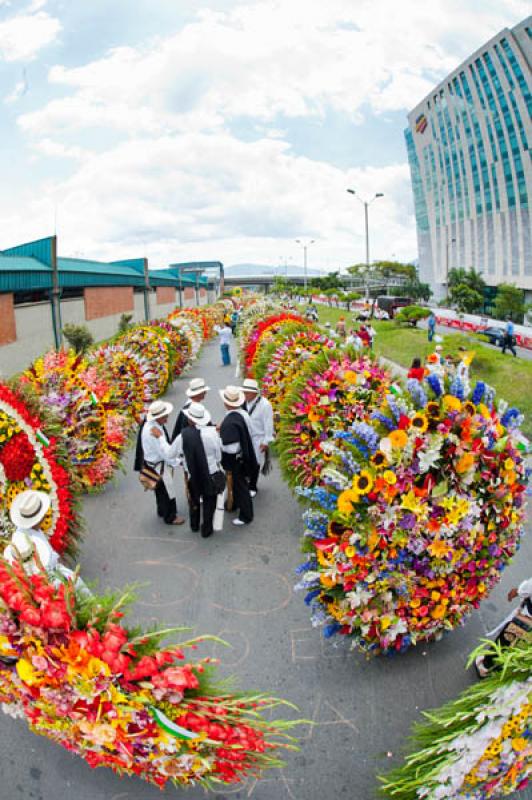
(216, 459)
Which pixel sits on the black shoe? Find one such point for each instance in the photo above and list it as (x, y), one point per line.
(194, 530)
(206, 535)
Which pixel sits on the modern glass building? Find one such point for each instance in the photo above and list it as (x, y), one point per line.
(468, 147)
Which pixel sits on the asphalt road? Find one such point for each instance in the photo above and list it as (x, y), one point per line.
(239, 585)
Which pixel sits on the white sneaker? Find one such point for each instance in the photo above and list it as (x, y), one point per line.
(238, 522)
(253, 492)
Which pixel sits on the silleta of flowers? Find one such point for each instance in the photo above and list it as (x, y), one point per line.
(72, 669)
(192, 329)
(419, 510)
(477, 747)
(94, 430)
(262, 331)
(29, 459)
(126, 370)
(333, 390)
(179, 343)
(150, 344)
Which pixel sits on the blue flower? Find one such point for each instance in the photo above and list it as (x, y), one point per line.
(331, 629)
(478, 392)
(417, 393)
(457, 389)
(435, 384)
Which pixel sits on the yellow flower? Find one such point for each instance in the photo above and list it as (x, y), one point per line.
(345, 501)
(350, 551)
(451, 403)
(410, 502)
(438, 548)
(398, 438)
(363, 482)
(509, 464)
(379, 459)
(26, 672)
(350, 376)
(465, 463)
(390, 477)
(385, 623)
(438, 611)
(419, 422)
(519, 744)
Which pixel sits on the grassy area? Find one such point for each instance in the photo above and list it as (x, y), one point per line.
(511, 377)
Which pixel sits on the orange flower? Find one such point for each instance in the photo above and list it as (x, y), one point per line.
(438, 548)
(398, 438)
(465, 463)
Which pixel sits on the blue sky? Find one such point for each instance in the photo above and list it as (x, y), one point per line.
(221, 130)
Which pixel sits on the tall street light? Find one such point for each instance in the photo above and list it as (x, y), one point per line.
(366, 204)
(305, 246)
(447, 263)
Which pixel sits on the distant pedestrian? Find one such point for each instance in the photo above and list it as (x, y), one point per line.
(416, 371)
(431, 326)
(518, 625)
(200, 448)
(364, 335)
(509, 339)
(195, 393)
(260, 413)
(340, 328)
(238, 455)
(225, 337)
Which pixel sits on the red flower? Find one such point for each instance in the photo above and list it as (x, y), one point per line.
(17, 457)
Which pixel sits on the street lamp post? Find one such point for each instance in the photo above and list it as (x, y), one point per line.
(447, 263)
(366, 204)
(305, 247)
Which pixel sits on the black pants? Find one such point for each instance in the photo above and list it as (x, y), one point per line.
(166, 508)
(194, 508)
(509, 344)
(241, 496)
(254, 478)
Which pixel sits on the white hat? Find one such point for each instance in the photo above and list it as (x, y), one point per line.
(438, 348)
(196, 386)
(198, 414)
(233, 396)
(29, 508)
(250, 385)
(158, 409)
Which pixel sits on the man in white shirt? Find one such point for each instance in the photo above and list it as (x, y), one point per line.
(200, 448)
(155, 451)
(260, 413)
(225, 336)
(196, 391)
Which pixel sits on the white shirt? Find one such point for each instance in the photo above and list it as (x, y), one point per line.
(524, 591)
(157, 450)
(260, 415)
(225, 334)
(211, 443)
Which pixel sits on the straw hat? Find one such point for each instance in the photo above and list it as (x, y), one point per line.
(29, 508)
(198, 414)
(233, 396)
(196, 386)
(250, 385)
(158, 409)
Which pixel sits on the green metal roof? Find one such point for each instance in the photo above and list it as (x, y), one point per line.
(23, 273)
(82, 272)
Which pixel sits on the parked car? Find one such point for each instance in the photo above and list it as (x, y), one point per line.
(495, 335)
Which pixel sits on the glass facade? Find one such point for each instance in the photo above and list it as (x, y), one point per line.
(471, 168)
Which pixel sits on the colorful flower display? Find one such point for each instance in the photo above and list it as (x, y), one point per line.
(263, 330)
(424, 508)
(150, 345)
(192, 330)
(477, 747)
(181, 348)
(126, 370)
(30, 458)
(93, 429)
(80, 677)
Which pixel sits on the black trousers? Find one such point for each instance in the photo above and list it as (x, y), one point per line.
(166, 508)
(509, 344)
(254, 478)
(194, 509)
(241, 495)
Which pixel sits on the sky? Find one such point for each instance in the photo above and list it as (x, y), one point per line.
(190, 130)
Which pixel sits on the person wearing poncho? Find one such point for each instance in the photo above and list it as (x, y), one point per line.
(199, 446)
(238, 455)
(196, 392)
(260, 413)
(155, 451)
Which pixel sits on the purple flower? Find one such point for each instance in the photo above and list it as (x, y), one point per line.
(407, 521)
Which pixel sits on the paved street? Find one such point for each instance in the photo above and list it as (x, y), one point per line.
(239, 585)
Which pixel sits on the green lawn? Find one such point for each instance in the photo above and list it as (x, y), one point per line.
(511, 377)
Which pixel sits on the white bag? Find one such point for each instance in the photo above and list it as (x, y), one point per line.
(218, 519)
(438, 339)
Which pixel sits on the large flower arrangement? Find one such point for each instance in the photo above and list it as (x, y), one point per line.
(94, 431)
(32, 459)
(270, 346)
(150, 344)
(285, 365)
(127, 371)
(334, 388)
(192, 330)
(207, 316)
(178, 342)
(263, 330)
(419, 510)
(477, 747)
(116, 697)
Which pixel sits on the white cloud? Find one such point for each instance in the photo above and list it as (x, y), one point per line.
(24, 35)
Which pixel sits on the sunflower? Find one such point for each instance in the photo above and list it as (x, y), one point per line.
(363, 482)
(451, 402)
(345, 501)
(379, 459)
(433, 409)
(469, 408)
(419, 422)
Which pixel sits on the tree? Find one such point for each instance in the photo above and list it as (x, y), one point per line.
(78, 336)
(469, 277)
(466, 299)
(410, 315)
(125, 323)
(418, 291)
(509, 302)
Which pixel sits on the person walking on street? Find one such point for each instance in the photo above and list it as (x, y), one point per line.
(509, 339)
(200, 448)
(238, 456)
(155, 451)
(196, 392)
(260, 413)
(431, 326)
(225, 336)
(517, 625)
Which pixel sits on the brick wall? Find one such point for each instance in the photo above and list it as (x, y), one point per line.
(104, 301)
(8, 328)
(165, 294)
(189, 293)
(203, 292)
